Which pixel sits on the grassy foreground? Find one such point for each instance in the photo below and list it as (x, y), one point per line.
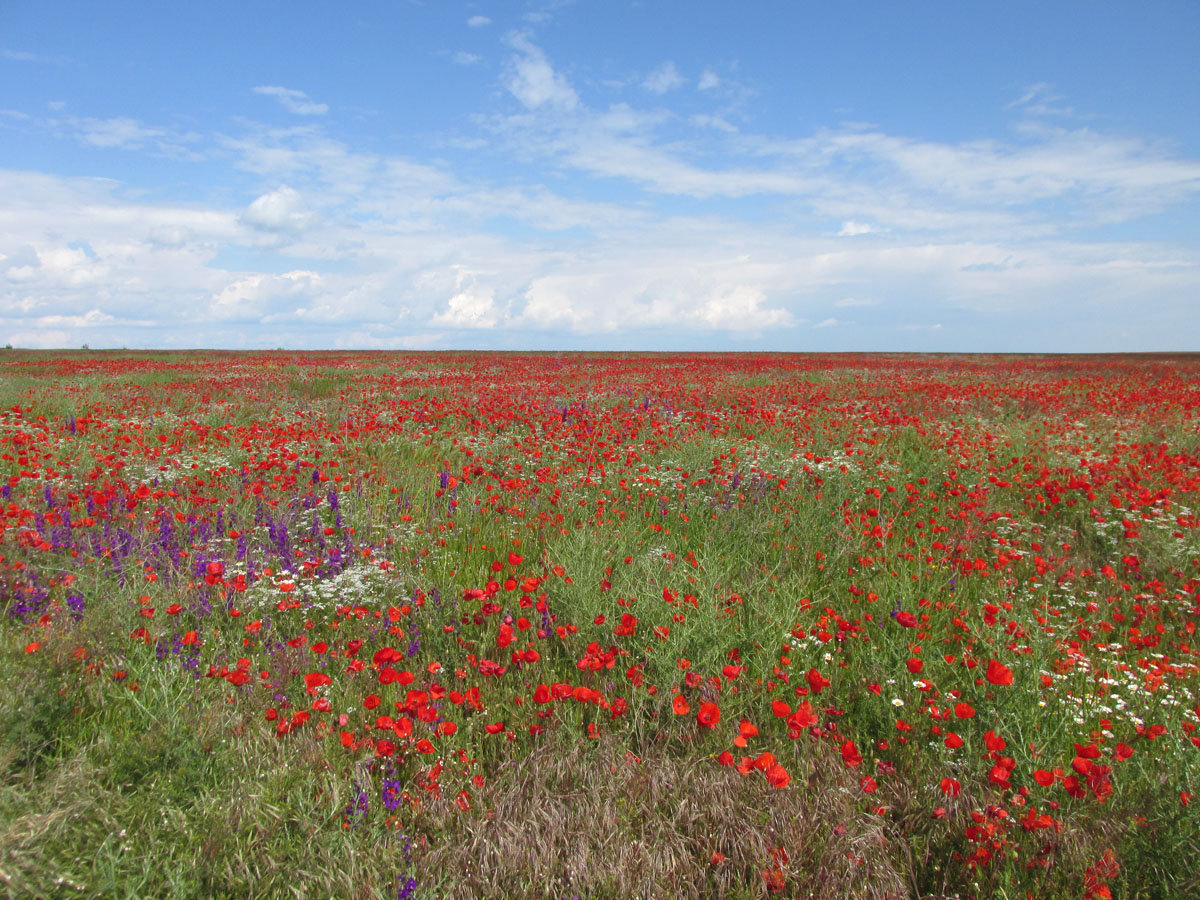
(558, 626)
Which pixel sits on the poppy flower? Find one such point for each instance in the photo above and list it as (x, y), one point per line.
(709, 715)
(764, 761)
(680, 705)
(802, 718)
(314, 680)
(850, 755)
(777, 776)
(999, 674)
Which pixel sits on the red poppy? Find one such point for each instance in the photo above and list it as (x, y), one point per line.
(850, 754)
(998, 673)
(802, 718)
(709, 715)
(777, 776)
(314, 680)
(680, 705)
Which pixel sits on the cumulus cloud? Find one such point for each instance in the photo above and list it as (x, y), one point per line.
(740, 308)
(664, 78)
(278, 210)
(533, 81)
(255, 297)
(478, 21)
(470, 308)
(826, 323)
(708, 80)
(462, 58)
(293, 101)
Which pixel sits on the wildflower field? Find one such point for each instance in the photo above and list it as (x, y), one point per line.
(556, 626)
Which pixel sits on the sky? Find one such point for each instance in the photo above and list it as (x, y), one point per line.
(552, 175)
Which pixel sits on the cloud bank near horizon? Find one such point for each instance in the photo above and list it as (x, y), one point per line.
(573, 207)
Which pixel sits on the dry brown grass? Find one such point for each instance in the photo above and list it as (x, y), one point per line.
(593, 822)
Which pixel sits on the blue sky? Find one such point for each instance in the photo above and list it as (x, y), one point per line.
(937, 176)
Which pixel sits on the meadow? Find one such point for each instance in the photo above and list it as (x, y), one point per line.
(388, 625)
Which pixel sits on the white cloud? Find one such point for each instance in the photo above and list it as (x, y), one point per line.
(978, 236)
(716, 122)
(533, 81)
(26, 56)
(1041, 100)
(708, 81)
(278, 210)
(56, 339)
(380, 338)
(740, 308)
(293, 101)
(478, 21)
(462, 58)
(256, 297)
(664, 78)
(117, 132)
(90, 319)
(851, 229)
(470, 308)
(122, 132)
